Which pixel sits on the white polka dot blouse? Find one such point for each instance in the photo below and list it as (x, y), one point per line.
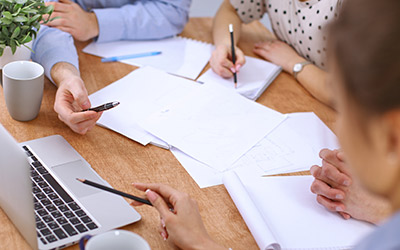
(301, 24)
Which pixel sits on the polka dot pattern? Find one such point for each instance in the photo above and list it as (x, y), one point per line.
(299, 24)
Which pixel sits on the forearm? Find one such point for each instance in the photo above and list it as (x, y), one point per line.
(226, 15)
(62, 71)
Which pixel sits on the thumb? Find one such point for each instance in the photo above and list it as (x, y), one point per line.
(158, 203)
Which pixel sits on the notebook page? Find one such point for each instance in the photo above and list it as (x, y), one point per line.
(296, 219)
(179, 56)
(214, 125)
(251, 215)
(254, 77)
(142, 92)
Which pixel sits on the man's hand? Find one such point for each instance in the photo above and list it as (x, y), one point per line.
(73, 19)
(72, 98)
(338, 192)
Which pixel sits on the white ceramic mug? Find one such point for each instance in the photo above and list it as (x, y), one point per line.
(115, 239)
(23, 83)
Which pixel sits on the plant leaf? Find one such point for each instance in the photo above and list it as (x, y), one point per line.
(21, 1)
(16, 32)
(20, 19)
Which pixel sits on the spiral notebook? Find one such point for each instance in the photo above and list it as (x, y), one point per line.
(282, 213)
(253, 79)
(179, 56)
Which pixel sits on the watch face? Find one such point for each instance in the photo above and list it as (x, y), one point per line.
(297, 67)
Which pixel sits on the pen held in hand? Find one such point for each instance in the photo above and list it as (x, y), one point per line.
(233, 53)
(103, 107)
(132, 56)
(111, 190)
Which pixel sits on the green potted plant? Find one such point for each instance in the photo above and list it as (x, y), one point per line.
(20, 21)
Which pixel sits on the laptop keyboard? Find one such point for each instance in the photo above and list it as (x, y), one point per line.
(58, 216)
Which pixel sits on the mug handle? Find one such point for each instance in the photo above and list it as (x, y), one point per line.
(82, 241)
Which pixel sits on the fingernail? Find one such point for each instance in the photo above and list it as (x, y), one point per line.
(164, 236)
(163, 223)
(151, 195)
(238, 67)
(339, 209)
(346, 183)
(233, 70)
(339, 196)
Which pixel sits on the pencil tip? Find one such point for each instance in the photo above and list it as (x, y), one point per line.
(81, 180)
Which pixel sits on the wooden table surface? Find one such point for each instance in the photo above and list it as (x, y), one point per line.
(122, 161)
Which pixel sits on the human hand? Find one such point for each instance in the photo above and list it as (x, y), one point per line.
(180, 217)
(339, 192)
(278, 53)
(73, 19)
(221, 61)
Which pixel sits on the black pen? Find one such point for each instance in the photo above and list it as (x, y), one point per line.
(233, 54)
(103, 107)
(111, 190)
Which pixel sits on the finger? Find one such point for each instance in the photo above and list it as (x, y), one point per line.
(334, 176)
(346, 216)
(331, 157)
(169, 194)
(163, 229)
(158, 203)
(321, 188)
(136, 204)
(80, 95)
(59, 6)
(333, 206)
(340, 155)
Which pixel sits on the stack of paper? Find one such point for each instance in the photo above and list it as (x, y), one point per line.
(179, 56)
(292, 146)
(282, 213)
(214, 125)
(141, 93)
(253, 79)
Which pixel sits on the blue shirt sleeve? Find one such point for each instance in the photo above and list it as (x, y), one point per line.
(142, 20)
(52, 46)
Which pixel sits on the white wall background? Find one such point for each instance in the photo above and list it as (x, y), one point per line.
(208, 8)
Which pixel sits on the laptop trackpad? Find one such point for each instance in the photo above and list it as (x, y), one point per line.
(68, 173)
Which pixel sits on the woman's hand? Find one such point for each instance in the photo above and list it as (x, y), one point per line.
(278, 53)
(180, 217)
(339, 192)
(221, 61)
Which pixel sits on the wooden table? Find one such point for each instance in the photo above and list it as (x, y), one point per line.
(122, 161)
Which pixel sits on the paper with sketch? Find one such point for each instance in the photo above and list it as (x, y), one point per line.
(214, 125)
(282, 213)
(180, 56)
(293, 146)
(141, 93)
(253, 79)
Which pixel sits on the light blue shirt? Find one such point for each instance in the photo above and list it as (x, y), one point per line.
(118, 20)
(386, 237)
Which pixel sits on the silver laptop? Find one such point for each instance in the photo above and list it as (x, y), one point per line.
(41, 196)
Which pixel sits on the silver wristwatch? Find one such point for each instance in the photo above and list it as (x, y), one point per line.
(298, 67)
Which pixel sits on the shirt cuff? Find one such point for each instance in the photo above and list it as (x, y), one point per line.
(108, 19)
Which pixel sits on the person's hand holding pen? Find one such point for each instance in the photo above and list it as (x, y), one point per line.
(180, 217)
(72, 98)
(221, 60)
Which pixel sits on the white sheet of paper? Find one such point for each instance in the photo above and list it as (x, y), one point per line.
(179, 56)
(253, 79)
(214, 125)
(290, 213)
(289, 148)
(141, 93)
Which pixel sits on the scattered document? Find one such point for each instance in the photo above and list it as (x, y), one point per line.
(214, 125)
(180, 56)
(282, 213)
(253, 79)
(292, 146)
(141, 93)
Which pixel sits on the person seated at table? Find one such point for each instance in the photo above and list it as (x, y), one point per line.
(299, 26)
(337, 190)
(364, 63)
(103, 21)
